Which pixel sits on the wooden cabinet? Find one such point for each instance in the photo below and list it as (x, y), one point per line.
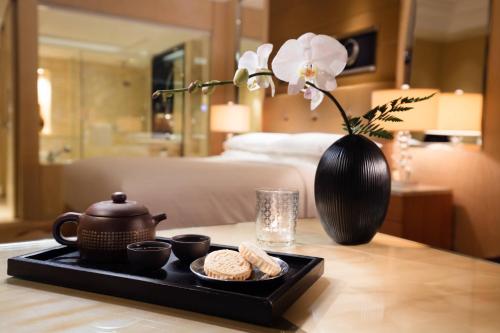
(421, 213)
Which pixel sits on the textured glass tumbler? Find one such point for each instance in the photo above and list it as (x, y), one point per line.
(277, 211)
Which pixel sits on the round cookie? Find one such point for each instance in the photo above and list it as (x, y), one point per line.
(259, 258)
(227, 265)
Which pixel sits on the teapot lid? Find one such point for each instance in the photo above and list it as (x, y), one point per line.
(118, 206)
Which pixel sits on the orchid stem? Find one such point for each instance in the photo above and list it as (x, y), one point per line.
(336, 102)
(157, 93)
(217, 83)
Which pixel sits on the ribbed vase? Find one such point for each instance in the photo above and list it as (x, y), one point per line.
(352, 190)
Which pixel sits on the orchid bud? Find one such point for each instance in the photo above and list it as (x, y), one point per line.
(192, 87)
(208, 90)
(156, 94)
(240, 77)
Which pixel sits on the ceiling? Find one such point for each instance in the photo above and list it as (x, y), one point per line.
(451, 19)
(68, 33)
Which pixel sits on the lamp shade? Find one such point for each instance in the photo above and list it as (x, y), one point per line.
(230, 118)
(422, 117)
(460, 111)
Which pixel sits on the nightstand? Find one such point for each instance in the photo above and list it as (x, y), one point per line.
(421, 213)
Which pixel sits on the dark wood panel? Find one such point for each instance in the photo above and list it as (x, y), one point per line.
(428, 219)
(395, 210)
(425, 218)
(394, 228)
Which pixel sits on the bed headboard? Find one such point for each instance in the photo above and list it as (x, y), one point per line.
(291, 114)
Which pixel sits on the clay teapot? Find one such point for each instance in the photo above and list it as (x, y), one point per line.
(106, 228)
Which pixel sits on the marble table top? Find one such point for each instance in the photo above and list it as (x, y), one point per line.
(388, 285)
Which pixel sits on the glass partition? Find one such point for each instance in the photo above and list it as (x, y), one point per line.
(95, 79)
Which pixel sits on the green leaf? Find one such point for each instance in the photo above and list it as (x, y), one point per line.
(407, 100)
(354, 121)
(370, 123)
(392, 119)
(371, 114)
(402, 108)
(394, 102)
(381, 133)
(420, 99)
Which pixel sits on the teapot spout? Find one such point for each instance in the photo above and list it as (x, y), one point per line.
(158, 218)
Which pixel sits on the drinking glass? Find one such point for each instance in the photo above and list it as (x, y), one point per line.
(277, 211)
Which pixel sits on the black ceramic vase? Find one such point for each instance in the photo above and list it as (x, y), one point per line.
(352, 190)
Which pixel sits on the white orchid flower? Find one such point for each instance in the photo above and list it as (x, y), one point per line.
(257, 62)
(314, 58)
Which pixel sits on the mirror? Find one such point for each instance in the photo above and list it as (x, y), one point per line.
(448, 53)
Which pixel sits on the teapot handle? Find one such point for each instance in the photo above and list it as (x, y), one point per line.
(58, 223)
(158, 218)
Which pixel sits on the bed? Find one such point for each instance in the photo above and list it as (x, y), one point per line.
(204, 191)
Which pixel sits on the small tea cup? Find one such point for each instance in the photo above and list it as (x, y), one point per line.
(189, 247)
(148, 255)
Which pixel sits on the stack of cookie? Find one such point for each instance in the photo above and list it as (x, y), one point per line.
(237, 265)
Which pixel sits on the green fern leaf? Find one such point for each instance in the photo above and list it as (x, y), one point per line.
(392, 119)
(381, 133)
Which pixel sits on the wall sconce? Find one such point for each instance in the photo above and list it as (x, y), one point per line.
(230, 118)
(459, 115)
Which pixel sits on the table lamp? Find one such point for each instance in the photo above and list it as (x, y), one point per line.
(423, 116)
(459, 115)
(230, 118)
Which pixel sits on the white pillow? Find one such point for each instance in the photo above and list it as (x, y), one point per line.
(292, 145)
(246, 155)
(255, 142)
(269, 157)
(307, 144)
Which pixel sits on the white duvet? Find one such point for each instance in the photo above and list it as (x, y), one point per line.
(191, 191)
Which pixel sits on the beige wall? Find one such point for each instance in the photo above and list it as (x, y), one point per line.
(112, 92)
(88, 93)
(290, 114)
(426, 64)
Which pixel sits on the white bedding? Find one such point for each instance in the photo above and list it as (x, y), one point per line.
(192, 191)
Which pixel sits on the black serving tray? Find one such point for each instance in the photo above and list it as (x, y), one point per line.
(174, 285)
